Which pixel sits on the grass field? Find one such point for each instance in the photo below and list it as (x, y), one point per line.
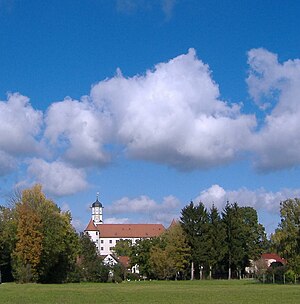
(221, 292)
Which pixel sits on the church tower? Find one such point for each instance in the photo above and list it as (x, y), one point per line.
(97, 211)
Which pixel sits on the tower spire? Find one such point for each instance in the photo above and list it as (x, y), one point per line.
(97, 211)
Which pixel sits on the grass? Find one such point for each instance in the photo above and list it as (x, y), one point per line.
(213, 292)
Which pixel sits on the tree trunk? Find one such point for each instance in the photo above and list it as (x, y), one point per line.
(210, 272)
(192, 270)
(229, 273)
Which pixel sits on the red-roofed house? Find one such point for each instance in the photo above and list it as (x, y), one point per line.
(264, 262)
(105, 236)
(272, 258)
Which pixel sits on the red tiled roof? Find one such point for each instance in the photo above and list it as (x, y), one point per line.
(91, 226)
(173, 223)
(124, 260)
(127, 230)
(273, 256)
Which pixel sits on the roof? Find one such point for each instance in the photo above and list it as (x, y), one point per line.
(124, 260)
(173, 223)
(91, 226)
(127, 230)
(273, 256)
(97, 204)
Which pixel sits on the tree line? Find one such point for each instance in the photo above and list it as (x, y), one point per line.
(211, 244)
(204, 243)
(39, 244)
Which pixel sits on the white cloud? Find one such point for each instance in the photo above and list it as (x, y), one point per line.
(173, 115)
(116, 220)
(276, 86)
(79, 130)
(146, 209)
(258, 199)
(19, 127)
(7, 163)
(57, 178)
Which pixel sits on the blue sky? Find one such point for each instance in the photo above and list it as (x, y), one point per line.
(151, 103)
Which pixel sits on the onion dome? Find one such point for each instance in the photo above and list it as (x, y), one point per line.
(97, 204)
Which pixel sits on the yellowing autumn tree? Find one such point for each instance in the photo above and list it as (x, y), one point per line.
(27, 254)
(47, 244)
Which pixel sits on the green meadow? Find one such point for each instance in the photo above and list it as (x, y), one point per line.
(221, 292)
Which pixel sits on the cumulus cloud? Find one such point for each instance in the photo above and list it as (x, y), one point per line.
(19, 127)
(57, 177)
(20, 123)
(275, 87)
(173, 115)
(258, 199)
(7, 163)
(80, 130)
(146, 208)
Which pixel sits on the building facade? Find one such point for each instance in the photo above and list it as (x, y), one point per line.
(106, 236)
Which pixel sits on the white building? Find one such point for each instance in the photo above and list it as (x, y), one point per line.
(105, 236)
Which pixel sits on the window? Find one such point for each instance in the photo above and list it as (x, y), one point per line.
(96, 232)
(101, 241)
(110, 241)
(102, 248)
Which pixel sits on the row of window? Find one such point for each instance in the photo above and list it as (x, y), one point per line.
(110, 241)
(110, 248)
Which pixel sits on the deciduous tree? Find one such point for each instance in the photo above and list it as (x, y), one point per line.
(286, 238)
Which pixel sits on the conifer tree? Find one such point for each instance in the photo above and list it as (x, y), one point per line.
(194, 221)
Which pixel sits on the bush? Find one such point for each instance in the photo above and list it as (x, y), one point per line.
(290, 276)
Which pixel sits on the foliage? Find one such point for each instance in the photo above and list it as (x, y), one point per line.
(171, 254)
(123, 248)
(118, 273)
(8, 228)
(89, 266)
(163, 257)
(28, 250)
(286, 239)
(216, 239)
(47, 244)
(195, 223)
(244, 237)
(140, 255)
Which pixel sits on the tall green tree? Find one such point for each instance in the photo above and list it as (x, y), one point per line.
(232, 220)
(170, 256)
(8, 231)
(245, 237)
(286, 238)
(216, 240)
(89, 266)
(255, 239)
(140, 255)
(194, 221)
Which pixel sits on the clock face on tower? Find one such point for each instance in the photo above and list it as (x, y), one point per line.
(97, 218)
